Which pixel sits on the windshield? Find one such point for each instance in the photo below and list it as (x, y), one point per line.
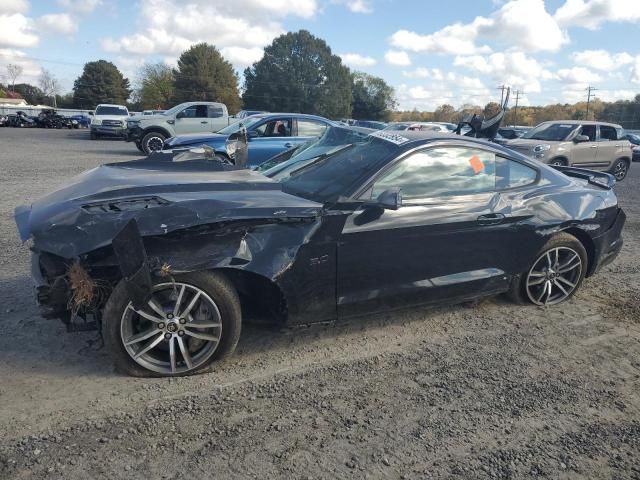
(554, 132)
(112, 111)
(246, 122)
(324, 173)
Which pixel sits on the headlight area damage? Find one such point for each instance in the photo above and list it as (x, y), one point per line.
(147, 220)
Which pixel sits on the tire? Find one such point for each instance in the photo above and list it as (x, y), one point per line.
(93, 136)
(523, 291)
(215, 290)
(560, 162)
(619, 169)
(139, 147)
(150, 142)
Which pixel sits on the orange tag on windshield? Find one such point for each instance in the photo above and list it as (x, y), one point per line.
(476, 164)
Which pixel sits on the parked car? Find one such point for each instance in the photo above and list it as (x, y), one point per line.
(635, 157)
(21, 120)
(593, 145)
(170, 260)
(149, 132)
(109, 120)
(414, 126)
(269, 134)
(247, 113)
(633, 138)
(83, 120)
(509, 133)
(4, 121)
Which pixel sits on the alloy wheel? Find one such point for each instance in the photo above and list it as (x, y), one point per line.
(154, 144)
(620, 170)
(177, 331)
(554, 276)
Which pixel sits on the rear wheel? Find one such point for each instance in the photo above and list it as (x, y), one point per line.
(555, 274)
(152, 142)
(187, 324)
(619, 169)
(558, 162)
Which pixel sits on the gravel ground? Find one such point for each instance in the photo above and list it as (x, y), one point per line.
(488, 390)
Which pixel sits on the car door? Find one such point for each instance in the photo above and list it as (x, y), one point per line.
(268, 139)
(218, 117)
(193, 119)
(609, 147)
(583, 154)
(452, 238)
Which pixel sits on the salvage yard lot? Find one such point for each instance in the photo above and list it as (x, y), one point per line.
(487, 390)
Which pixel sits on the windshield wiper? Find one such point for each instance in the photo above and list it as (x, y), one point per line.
(320, 158)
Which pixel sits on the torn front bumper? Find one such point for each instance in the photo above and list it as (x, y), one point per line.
(53, 296)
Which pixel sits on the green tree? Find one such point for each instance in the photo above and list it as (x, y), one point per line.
(372, 98)
(298, 73)
(32, 94)
(156, 86)
(491, 109)
(100, 82)
(444, 113)
(203, 74)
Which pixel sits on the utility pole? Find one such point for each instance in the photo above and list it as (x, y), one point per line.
(515, 110)
(589, 90)
(502, 88)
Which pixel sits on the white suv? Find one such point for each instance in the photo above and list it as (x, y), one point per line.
(109, 120)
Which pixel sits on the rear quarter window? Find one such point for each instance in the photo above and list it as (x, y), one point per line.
(512, 174)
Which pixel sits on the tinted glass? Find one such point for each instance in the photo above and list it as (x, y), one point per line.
(215, 112)
(589, 131)
(275, 128)
(245, 122)
(195, 111)
(345, 167)
(439, 172)
(552, 132)
(111, 111)
(608, 133)
(510, 174)
(309, 128)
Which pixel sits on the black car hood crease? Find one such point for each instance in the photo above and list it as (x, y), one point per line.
(89, 211)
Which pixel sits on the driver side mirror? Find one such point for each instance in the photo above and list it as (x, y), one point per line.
(581, 139)
(180, 115)
(252, 133)
(390, 199)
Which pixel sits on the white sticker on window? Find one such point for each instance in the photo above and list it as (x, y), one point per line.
(390, 137)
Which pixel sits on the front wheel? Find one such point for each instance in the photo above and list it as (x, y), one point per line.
(139, 146)
(619, 169)
(152, 142)
(558, 162)
(188, 323)
(555, 274)
(92, 135)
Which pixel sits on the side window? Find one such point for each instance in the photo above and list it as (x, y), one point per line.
(275, 128)
(608, 133)
(310, 128)
(443, 171)
(195, 111)
(215, 112)
(589, 131)
(511, 174)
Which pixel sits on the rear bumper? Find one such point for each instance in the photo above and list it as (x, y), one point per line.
(608, 245)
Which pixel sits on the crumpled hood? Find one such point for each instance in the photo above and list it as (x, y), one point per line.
(210, 139)
(89, 211)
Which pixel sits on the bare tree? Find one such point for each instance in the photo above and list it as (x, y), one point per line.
(49, 85)
(13, 71)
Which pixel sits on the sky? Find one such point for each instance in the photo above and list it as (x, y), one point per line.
(431, 52)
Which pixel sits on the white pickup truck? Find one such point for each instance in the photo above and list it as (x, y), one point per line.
(150, 131)
(109, 120)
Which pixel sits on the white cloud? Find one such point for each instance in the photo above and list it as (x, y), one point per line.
(80, 6)
(239, 29)
(512, 68)
(30, 70)
(241, 56)
(422, 72)
(524, 24)
(356, 6)
(635, 71)
(578, 75)
(356, 60)
(592, 13)
(57, 23)
(16, 30)
(396, 57)
(601, 59)
(8, 7)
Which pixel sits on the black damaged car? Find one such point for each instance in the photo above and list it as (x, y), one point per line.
(169, 254)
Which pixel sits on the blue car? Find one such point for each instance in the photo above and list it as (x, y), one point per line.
(268, 134)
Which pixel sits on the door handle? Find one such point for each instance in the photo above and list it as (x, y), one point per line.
(204, 123)
(491, 219)
(288, 145)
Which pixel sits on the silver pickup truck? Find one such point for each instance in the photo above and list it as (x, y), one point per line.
(150, 131)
